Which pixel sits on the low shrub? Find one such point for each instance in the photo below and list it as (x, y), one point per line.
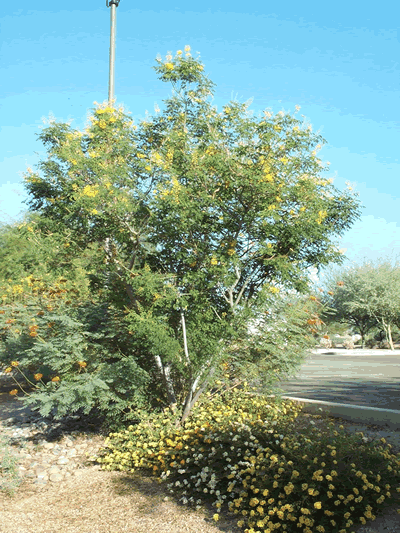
(241, 453)
(10, 478)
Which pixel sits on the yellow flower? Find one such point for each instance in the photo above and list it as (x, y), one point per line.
(94, 212)
(216, 517)
(14, 363)
(187, 48)
(169, 66)
(8, 369)
(289, 488)
(38, 376)
(321, 216)
(14, 392)
(82, 364)
(317, 505)
(90, 191)
(55, 379)
(179, 52)
(214, 261)
(267, 177)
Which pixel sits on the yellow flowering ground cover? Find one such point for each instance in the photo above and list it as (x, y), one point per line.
(239, 452)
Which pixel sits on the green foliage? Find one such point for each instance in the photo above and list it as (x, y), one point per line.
(185, 226)
(10, 478)
(367, 297)
(71, 357)
(254, 457)
(276, 341)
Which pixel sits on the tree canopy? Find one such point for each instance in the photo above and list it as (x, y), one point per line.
(193, 220)
(366, 296)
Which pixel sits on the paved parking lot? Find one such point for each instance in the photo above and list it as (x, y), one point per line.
(367, 379)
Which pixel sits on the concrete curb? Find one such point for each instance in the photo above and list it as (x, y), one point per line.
(356, 351)
(354, 413)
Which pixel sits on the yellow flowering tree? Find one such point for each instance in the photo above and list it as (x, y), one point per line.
(198, 220)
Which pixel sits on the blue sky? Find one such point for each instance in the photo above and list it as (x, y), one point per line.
(339, 62)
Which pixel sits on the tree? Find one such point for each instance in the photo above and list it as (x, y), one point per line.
(197, 218)
(343, 305)
(367, 296)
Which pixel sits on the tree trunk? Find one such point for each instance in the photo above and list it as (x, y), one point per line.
(388, 333)
(167, 380)
(193, 396)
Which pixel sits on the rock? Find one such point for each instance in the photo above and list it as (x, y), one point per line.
(56, 477)
(40, 470)
(71, 453)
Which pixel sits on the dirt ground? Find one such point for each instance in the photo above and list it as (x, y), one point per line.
(100, 501)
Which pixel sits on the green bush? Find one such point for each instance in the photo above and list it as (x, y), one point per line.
(69, 353)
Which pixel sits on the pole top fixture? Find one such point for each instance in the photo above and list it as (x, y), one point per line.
(111, 2)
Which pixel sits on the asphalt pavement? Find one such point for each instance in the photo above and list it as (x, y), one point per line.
(368, 378)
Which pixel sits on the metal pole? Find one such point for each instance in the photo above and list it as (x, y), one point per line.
(113, 19)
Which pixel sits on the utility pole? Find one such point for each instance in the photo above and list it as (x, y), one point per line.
(113, 21)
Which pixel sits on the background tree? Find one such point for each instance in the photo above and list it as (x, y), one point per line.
(195, 218)
(366, 296)
(342, 301)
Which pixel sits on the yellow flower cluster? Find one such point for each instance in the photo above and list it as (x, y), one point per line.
(321, 216)
(107, 109)
(90, 190)
(241, 452)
